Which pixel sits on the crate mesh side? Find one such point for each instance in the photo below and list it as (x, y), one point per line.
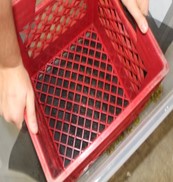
(49, 24)
(133, 65)
(80, 94)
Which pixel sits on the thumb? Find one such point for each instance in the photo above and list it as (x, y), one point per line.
(137, 15)
(31, 115)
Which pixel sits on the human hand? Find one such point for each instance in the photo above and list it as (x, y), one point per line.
(16, 95)
(138, 9)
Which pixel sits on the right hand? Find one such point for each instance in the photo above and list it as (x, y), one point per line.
(138, 9)
(16, 96)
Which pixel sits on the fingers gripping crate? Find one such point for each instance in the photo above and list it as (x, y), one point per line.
(91, 71)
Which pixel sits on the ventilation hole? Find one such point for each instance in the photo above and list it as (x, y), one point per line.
(87, 80)
(86, 135)
(109, 68)
(62, 104)
(77, 98)
(85, 89)
(57, 92)
(126, 103)
(60, 114)
(106, 97)
(107, 86)
(100, 84)
(71, 56)
(84, 100)
(79, 132)
(120, 91)
(88, 34)
(67, 162)
(115, 80)
(63, 138)
(98, 104)
(92, 92)
(103, 117)
(93, 44)
(70, 95)
(118, 111)
(67, 74)
(69, 152)
(45, 88)
(59, 125)
(77, 143)
(99, 94)
(38, 86)
(91, 52)
(75, 108)
(69, 106)
(86, 42)
(74, 76)
(110, 119)
(104, 56)
(82, 110)
(72, 130)
(56, 136)
(65, 127)
(80, 78)
(43, 98)
(62, 149)
(65, 84)
(77, 57)
(81, 121)
(90, 61)
(52, 123)
(93, 136)
(104, 107)
(72, 85)
(88, 71)
(95, 126)
(67, 116)
(98, 55)
(53, 80)
(75, 154)
(91, 102)
(64, 94)
(55, 101)
(59, 82)
(51, 90)
(95, 73)
(79, 87)
(70, 141)
(85, 50)
(88, 123)
(63, 63)
(94, 36)
(89, 113)
(83, 59)
(101, 128)
(74, 119)
(53, 112)
(84, 145)
(47, 110)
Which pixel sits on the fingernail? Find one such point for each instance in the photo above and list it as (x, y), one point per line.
(34, 127)
(144, 27)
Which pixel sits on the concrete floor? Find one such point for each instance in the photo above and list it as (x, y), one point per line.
(153, 161)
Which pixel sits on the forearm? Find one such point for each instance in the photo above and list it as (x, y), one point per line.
(9, 48)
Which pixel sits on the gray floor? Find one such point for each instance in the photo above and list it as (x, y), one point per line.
(153, 161)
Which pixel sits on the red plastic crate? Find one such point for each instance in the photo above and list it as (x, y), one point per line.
(91, 71)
